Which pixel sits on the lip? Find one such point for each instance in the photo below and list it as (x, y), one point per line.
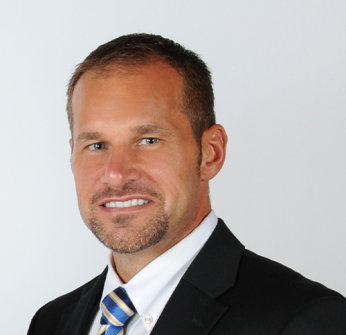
(124, 198)
(126, 210)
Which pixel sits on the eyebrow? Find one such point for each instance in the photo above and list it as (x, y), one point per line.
(88, 136)
(149, 129)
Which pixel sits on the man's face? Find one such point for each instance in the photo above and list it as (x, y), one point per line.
(135, 160)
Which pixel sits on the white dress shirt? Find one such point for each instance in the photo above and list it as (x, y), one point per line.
(151, 288)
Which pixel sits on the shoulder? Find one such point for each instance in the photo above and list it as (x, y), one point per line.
(268, 295)
(50, 315)
(59, 304)
(276, 279)
(324, 315)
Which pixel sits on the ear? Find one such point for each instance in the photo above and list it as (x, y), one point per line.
(214, 142)
(71, 144)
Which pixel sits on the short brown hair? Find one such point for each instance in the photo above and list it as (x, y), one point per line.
(141, 49)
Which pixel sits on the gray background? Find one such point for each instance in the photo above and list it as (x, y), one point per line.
(279, 77)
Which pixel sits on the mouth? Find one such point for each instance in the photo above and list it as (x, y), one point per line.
(126, 204)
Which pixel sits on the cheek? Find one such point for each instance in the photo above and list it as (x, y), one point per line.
(85, 180)
(87, 170)
(176, 178)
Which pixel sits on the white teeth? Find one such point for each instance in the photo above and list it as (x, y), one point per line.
(129, 203)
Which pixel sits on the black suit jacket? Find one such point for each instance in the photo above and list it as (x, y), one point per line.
(226, 290)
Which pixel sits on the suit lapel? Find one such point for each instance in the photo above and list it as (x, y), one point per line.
(189, 312)
(193, 307)
(215, 268)
(77, 319)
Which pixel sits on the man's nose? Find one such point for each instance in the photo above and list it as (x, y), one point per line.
(121, 167)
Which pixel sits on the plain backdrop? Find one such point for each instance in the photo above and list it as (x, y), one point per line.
(279, 78)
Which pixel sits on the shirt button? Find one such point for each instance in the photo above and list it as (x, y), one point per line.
(148, 319)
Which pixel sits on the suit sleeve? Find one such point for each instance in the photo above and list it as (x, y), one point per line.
(324, 316)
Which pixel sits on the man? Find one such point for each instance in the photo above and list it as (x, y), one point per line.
(144, 147)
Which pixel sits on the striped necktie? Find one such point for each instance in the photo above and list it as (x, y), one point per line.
(116, 308)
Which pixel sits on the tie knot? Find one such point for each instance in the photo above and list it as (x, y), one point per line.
(116, 308)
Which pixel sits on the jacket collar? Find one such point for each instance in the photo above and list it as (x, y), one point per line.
(193, 308)
(219, 258)
(77, 319)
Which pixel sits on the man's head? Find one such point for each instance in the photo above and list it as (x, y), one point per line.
(136, 50)
(141, 175)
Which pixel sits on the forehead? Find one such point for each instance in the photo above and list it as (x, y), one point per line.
(154, 91)
(157, 78)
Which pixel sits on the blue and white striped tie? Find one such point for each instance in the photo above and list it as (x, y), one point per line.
(116, 308)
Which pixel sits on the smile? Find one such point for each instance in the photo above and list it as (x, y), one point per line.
(129, 203)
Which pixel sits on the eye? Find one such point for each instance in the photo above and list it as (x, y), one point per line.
(148, 141)
(97, 146)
